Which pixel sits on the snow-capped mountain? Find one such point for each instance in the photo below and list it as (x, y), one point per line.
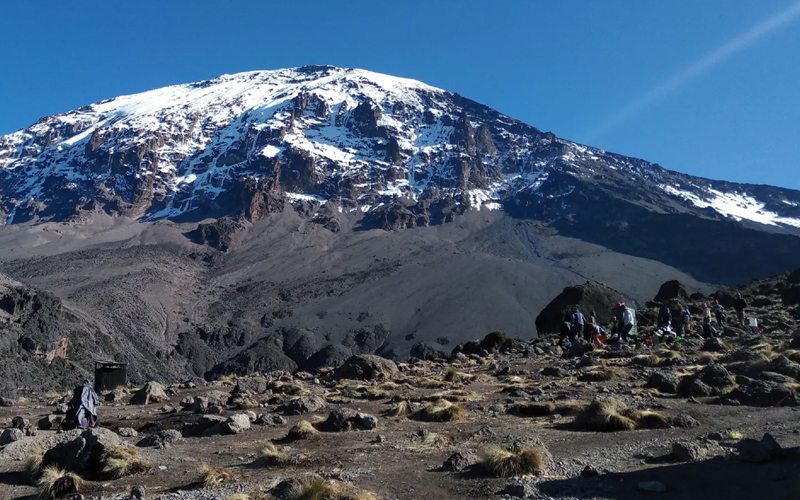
(396, 150)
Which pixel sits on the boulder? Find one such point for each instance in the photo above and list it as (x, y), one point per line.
(347, 419)
(784, 366)
(50, 422)
(671, 290)
(791, 295)
(666, 382)
(554, 371)
(794, 277)
(250, 385)
(763, 393)
(10, 435)
(709, 381)
(683, 421)
(714, 345)
(366, 367)
(459, 461)
(765, 450)
(161, 440)
(82, 452)
(236, 424)
(302, 405)
(579, 348)
(590, 296)
(694, 387)
(689, 451)
(6, 402)
(152, 392)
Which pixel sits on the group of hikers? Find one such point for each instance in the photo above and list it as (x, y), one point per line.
(623, 326)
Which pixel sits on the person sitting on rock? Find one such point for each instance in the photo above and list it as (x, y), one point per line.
(739, 305)
(84, 405)
(665, 318)
(719, 313)
(566, 330)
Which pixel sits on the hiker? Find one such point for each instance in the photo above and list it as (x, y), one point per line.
(739, 305)
(578, 322)
(566, 330)
(590, 330)
(706, 311)
(708, 329)
(719, 313)
(628, 324)
(664, 318)
(84, 405)
(686, 320)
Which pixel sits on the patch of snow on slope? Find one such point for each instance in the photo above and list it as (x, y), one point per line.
(735, 205)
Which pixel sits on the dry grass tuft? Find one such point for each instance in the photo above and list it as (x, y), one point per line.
(271, 455)
(314, 487)
(604, 374)
(507, 462)
(213, 476)
(303, 430)
(425, 383)
(668, 354)
(706, 357)
(604, 415)
(400, 409)
(646, 360)
(611, 415)
(121, 461)
(455, 396)
(441, 411)
(54, 482)
(33, 463)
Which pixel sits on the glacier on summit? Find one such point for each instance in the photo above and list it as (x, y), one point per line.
(243, 144)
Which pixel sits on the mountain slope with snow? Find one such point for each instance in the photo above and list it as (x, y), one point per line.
(244, 144)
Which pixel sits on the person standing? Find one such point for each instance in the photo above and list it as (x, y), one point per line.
(566, 330)
(84, 405)
(578, 324)
(719, 313)
(739, 305)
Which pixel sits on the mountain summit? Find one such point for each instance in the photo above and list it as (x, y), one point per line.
(400, 152)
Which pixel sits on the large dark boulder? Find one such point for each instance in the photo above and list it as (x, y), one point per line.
(791, 295)
(765, 394)
(590, 296)
(366, 367)
(333, 355)
(671, 290)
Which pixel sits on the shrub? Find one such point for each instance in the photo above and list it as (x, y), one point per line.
(510, 461)
(441, 411)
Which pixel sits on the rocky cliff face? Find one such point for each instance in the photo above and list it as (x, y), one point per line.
(400, 152)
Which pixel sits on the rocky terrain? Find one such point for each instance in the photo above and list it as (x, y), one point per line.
(492, 418)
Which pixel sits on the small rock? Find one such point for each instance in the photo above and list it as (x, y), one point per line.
(138, 492)
(11, 435)
(653, 486)
(459, 461)
(236, 424)
(688, 451)
(6, 402)
(127, 432)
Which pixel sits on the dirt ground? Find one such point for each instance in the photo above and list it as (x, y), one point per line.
(405, 462)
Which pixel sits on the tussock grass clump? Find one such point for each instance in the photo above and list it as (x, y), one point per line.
(303, 430)
(512, 461)
(400, 409)
(425, 383)
(33, 463)
(54, 482)
(668, 354)
(213, 476)
(441, 411)
(455, 376)
(707, 357)
(271, 455)
(455, 396)
(611, 415)
(314, 487)
(121, 461)
(603, 374)
(646, 360)
(604, 415)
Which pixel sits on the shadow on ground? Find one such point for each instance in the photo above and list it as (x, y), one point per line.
(715, 478)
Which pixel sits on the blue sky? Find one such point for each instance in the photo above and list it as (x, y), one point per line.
(680, 83)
